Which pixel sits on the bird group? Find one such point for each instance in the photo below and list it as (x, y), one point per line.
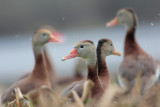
(135, 61)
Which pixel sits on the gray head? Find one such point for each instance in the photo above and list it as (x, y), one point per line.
(125, 17)
(84, 49)
(42, 36)
(105, 48)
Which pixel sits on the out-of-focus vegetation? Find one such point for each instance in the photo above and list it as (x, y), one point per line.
(113, 97)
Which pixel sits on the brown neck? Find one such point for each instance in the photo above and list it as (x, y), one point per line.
(48, 62)
(102, 66)
(39, 70)
(93, 75)
(131, 46)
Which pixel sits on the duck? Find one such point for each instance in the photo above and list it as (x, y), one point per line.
(135, 59)
(49, 65)
(105, 48)
(86, 50)
(39, 74)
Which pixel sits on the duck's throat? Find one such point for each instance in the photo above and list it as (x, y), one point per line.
(93, 75)
(38, 50)
(101, 57)
(92, 68)
(131, 46)
(102, 66)
(40, 64)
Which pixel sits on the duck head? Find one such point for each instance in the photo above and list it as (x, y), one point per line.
(43, 36)
(124, 17)
(107, 48)
(84, 49)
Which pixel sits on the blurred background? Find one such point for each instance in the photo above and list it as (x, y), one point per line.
(77, 20)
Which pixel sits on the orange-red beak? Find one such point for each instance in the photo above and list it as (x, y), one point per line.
(72, 54)
(54, 39)
(113, 22)
(116, 52)
(57, 34)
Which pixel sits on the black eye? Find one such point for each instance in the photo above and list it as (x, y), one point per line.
(111, 44)
(82, 46)
(44, 34)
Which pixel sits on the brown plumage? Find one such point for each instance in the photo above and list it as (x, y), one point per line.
(39, 74)
(105, 48)
(86, 50)
(135, 58)
(49, 67)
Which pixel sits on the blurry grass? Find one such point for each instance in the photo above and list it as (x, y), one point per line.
(114, 96)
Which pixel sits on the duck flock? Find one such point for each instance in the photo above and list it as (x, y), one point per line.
(138, 70)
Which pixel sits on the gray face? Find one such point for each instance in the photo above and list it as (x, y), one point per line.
(125, 17)
(41, 38)
(108, 48)
(85, 50)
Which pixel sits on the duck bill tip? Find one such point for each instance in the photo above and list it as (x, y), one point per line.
(113, 22)
(72, 54)
(115, 52)
(54, 39)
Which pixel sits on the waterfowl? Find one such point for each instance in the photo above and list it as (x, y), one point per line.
(39, 74)
(85, 49)
(135, 58)
(105, 48)
(49, 65)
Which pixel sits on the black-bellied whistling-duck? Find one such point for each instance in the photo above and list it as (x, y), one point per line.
(39, 74)
(49, 65)
(85, 49)
(50, 69)
(105, 48)
(135, 58)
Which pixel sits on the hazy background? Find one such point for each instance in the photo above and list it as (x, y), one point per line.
(77, 20)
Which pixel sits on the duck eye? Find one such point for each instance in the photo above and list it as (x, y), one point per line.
(111, 45)
(82, 46)
(44, 34)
